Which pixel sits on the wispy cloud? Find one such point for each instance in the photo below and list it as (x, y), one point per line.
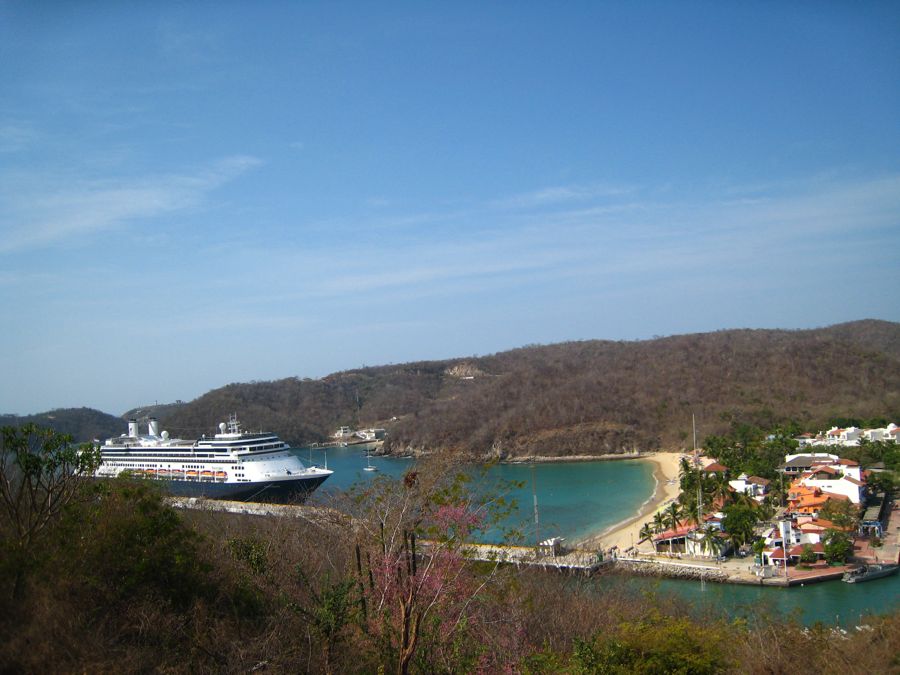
(50, 212)
(560, 194)
(183, 44)
(624, 242)
(16, 136)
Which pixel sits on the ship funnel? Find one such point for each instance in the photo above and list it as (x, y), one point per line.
(154, 427)
(132, 428)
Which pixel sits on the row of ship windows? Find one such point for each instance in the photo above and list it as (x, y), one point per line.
(132, 465)
(181, 453)
(106, 458)
(250, 448)
(186, 466)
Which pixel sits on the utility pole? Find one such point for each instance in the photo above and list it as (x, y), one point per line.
(699, 493)
(537, 531)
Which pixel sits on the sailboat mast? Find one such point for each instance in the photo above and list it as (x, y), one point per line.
(537, 534)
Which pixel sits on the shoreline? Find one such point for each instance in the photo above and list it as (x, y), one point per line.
(626, 533)
(549, 459)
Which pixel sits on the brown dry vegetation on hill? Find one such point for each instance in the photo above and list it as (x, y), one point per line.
(587, 397)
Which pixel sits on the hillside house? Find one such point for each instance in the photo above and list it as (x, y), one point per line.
(754, 486)
(797, 464)
(715, 468)
(831, 481)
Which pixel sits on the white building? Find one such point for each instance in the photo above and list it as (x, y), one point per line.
(753, 486)
(830, 479)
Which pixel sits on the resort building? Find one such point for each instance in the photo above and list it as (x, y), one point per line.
(797, 464)
(693, 541)
(753, 486)
(849, 437)
(829, 480)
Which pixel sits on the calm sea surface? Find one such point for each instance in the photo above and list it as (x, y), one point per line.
(579, 498)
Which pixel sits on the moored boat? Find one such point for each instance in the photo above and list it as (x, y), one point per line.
(869, 572)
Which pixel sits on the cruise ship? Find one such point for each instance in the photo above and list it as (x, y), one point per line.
(232, 464)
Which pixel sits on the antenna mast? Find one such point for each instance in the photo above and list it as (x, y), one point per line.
(699, 491)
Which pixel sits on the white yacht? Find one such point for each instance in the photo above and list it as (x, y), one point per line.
(232, 464)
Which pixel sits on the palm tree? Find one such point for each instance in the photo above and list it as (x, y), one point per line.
(709, 539)
(659, 522)
(687, 476)
(673, 519)
(673, 513)
(689, 511)
(720, 488)
(659, 525)
(646, 533)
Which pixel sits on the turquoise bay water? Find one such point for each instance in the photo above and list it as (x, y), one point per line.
(830, 602)
(575, 499)
(579, 498)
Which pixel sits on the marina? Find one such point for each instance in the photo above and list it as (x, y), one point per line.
(594, 508)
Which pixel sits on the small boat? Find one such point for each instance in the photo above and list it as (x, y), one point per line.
(221, 475)
(192, 474)
(869, 572)
(368, 466)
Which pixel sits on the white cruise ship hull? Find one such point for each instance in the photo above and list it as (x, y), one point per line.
(231, 465)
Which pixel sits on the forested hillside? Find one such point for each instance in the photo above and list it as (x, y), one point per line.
(82, 424)
(586, 397)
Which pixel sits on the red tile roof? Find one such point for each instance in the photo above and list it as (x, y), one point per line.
(798, 549)
(715, 466)
(677, 533)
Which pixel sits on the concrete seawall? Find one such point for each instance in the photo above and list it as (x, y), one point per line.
(675, 570)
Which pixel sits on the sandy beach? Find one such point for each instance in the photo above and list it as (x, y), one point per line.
(626, 533)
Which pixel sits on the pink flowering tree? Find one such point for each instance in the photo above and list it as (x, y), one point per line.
(420, 592)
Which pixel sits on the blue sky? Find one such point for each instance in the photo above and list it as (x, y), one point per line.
(195, 194)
